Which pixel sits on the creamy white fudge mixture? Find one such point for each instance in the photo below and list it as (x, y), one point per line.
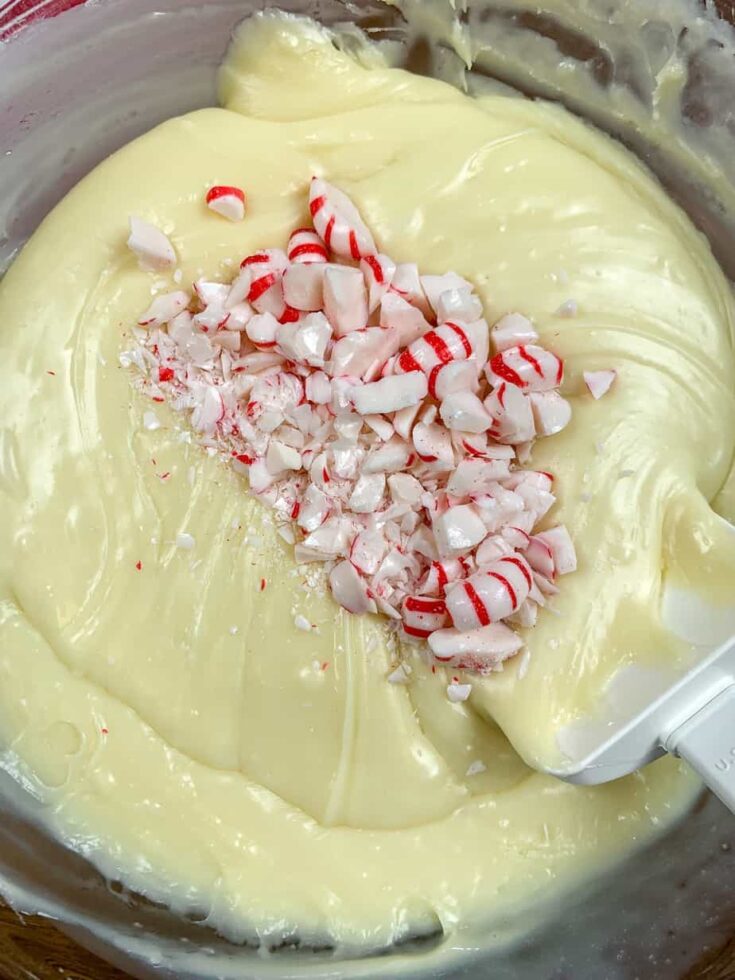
(179, 727)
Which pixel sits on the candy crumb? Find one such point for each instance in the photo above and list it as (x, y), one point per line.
(523, 664)
(458, 692)
(302, 623)
(475, 768)
(185, 540)
(139, 565)
(400, 675)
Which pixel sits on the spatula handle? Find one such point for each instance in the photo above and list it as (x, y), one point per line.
(707, 742)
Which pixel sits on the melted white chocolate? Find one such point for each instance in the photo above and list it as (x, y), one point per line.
(182, 731)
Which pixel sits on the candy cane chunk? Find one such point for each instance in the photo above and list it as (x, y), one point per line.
(493, 548)
(209, 409)
(456, 693)
(397, 314)
(350, 589)
(363, 353)
(540, 557)
(512, 330)
(562, 549)
(367, 551)
(406, 283)
(405, 489)
(464, 411)
(456, 376)
(528, 367)
(390, 394)
(305, 342)
(306, 247)
(314, 509)
(551, 412)
(261, 329)
(458, 304)
(422, 615)
(433, 445)
(442, 573)
(226, 201)
(338, 222)
(391, 457)
(449, 342)
(345, 299)
(367, 493)
(152, 248)
(458, 530)
(164, 308)
(478, 649)
(599, 382)
(378, 271)
(512, 415)
(318, 388)
(281, 457)
(475, 476)
(434, 286)
(491, 594)
(303, 286)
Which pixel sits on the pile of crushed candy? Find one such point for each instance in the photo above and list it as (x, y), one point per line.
(363, 403)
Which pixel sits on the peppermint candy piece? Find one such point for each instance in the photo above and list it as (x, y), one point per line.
(227, 201)
(338, 222)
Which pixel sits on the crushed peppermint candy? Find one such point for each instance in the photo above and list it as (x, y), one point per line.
(475, 768)
(382, 421)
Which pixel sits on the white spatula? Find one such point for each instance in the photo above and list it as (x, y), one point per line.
(694, 719)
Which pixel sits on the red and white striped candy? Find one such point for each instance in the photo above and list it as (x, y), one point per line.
(562, 549)
(491, 594)
(444, 572)
(265, 289)
(227, 201)
(512, 330)
(378, 271)
(449, 342)
(338, 222)
(528, 367)
(478, 649)
(540, 557)
(493, 548)
(422, 615)
(261, 330)
(512, 415)
(305, 247)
